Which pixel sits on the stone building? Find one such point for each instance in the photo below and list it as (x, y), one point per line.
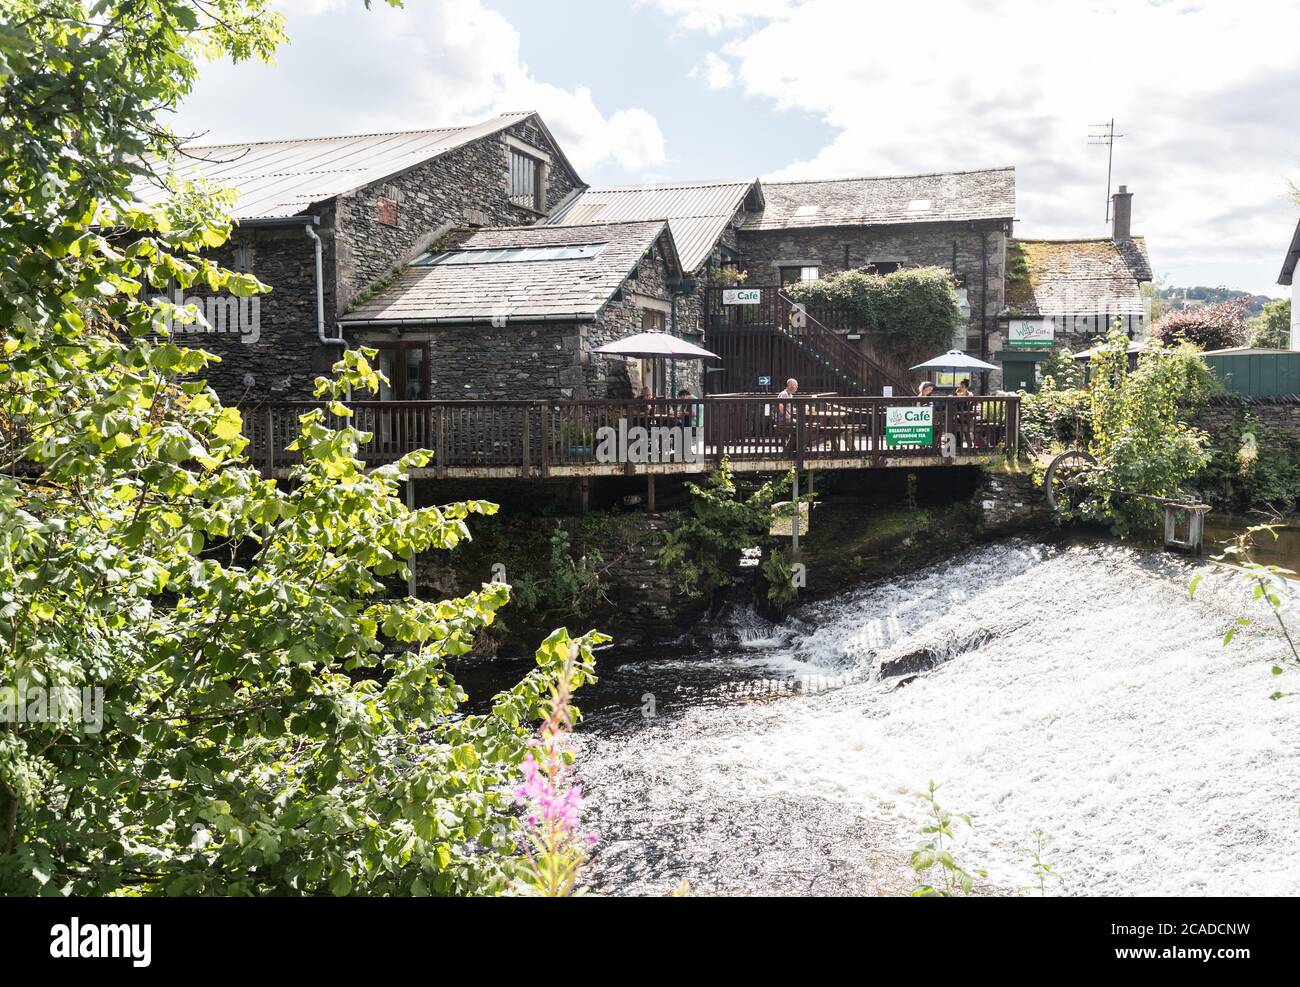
(1064, 294)
(324, 221)
(957, 220)
(779, 232)
(514, 312)
(704, 218)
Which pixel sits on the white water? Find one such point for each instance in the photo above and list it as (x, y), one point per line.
(1101, 708)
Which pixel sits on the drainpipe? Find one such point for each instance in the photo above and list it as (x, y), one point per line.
(320, 303)
(320, 298)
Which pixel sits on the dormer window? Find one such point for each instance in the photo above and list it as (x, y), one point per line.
(527, 181)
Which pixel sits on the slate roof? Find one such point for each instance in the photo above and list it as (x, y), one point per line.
(524, 291)
(283, 178)
(1292, 258)
(934, 198)
(698, 212)
(1076, 277)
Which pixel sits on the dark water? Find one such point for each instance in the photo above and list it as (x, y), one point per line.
(1076, 689)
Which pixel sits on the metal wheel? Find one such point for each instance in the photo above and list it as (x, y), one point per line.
(1063, 482)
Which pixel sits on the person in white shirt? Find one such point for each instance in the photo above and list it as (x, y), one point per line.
(784, 414)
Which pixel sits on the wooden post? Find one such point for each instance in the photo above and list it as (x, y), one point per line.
(650, 492)
(525, 443)
(270, 441)
(584, 494)
(440, 444)
(794, 520)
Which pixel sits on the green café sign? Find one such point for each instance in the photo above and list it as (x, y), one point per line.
(742, 296)
(1030, 334)
(909, 425)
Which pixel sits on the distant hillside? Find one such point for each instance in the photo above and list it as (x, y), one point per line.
(1200, 295)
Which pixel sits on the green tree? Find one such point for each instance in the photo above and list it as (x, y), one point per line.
(261, 719)
(1272, 328)
(1143, 448)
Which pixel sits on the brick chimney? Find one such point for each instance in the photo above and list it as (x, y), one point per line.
(1121, 215)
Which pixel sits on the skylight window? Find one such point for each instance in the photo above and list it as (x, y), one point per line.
(806, 211)
(513, 255)
(920, 205)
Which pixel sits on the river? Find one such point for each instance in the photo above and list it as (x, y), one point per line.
(1076, 690)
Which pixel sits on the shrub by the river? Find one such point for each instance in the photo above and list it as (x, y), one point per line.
(1252, 466)
(703, 545)
(1143, 447)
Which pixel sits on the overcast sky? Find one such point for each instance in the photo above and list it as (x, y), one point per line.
(1206, 94)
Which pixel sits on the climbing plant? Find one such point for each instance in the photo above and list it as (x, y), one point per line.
(911, 312)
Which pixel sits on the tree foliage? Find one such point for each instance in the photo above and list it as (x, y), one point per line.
(1210, 327)
(910, 311)
(270, 722)
(1272, 328)
(702, 547)
(1143, 447)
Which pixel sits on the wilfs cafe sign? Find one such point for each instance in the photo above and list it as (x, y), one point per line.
(909, 425)
(1030, 334)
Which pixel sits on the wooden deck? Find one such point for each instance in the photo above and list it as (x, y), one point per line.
(538, 439)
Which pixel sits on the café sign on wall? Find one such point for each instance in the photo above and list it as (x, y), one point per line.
(1030, 334)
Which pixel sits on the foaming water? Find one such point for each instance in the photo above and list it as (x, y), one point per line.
(1078, 691)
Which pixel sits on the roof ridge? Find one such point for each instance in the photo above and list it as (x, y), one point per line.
(377, 133)
(666, 186)
(1074, 239)
(887, 178)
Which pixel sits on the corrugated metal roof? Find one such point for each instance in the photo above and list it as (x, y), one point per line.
(934, 198)
(1076, 277)
(284, 177)
(698, 212)
(524, 290)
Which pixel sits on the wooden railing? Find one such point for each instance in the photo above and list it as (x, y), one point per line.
(753, 330)
(543, 438)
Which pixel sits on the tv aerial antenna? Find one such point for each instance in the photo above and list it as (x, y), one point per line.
(1104, 133)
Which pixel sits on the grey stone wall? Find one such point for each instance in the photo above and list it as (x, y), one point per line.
(1219, 415)
(1010, 502)
(281, 357)
(847, 248)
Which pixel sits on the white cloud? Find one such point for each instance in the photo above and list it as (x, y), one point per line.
(714, 16)
(1206, 97)
(716, 72)
(431, 63)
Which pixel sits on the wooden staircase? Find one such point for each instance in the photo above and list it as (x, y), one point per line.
(777, 338)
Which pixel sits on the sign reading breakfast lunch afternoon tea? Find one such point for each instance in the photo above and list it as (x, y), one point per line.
(909, 425)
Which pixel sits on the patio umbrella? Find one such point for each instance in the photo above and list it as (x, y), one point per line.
(657, 344)
(652, 344)
(954, 360)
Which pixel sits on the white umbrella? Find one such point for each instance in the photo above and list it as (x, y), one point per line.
(651, 344)
(954, 360)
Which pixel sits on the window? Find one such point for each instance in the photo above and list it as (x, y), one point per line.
(652, 320)
(804, 212)
(512, 255)
(526, 181)
(793, 275)
(886, 266)
(406, 365)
